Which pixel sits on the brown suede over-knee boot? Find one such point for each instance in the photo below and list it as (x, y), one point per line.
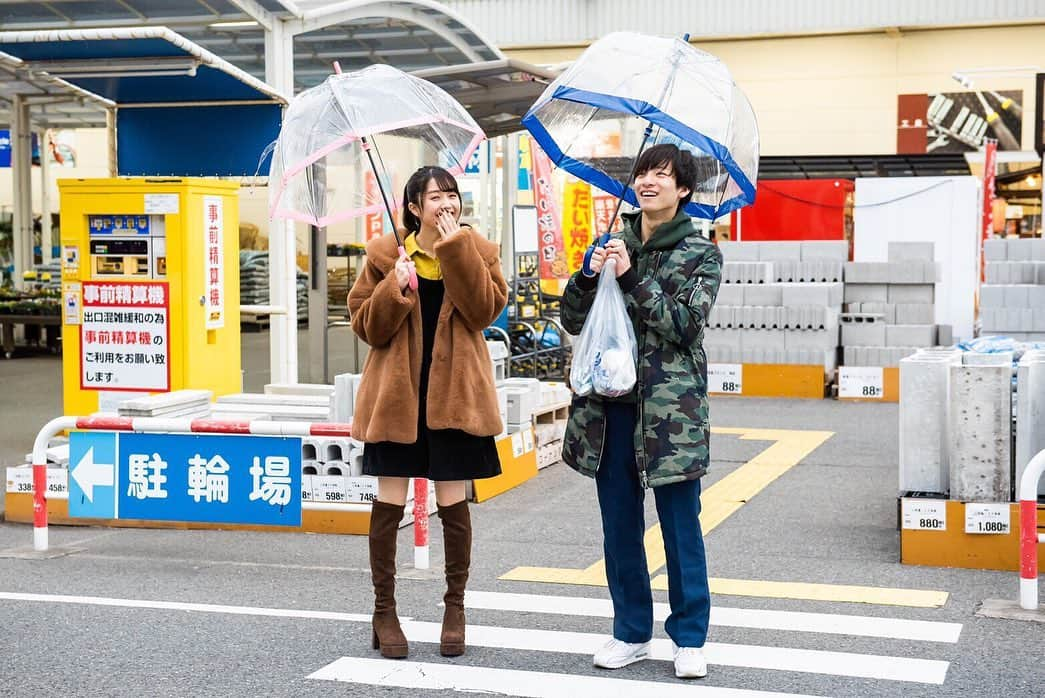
(457, 541)
(384, 528)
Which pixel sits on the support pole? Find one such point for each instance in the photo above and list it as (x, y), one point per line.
(110, 136)
(21, 168)
(283, 340)
(46, 245)
(509, 194)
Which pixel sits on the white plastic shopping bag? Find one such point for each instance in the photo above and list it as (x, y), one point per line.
(605, 353)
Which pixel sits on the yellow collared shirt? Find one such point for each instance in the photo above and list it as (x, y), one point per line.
(427, 265)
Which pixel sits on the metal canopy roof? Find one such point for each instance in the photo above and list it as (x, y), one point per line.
(136, 66)
(496, 93)
(409, 34)
(54, 103)
(180, 110)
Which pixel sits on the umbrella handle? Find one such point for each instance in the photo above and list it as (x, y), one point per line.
(413, 268)
(599, 242)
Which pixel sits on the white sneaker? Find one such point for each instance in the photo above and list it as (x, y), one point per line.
(690, 662)
(616, 654)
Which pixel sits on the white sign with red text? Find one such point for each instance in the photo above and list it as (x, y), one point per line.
(125, 336)
(214, 261)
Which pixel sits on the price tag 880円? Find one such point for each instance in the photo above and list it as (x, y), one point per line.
(924, 514)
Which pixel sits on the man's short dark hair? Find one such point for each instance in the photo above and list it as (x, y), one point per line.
(683, 166)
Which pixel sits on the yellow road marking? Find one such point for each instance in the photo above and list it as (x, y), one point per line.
(718, 503)
(720, 500)
(916, 598)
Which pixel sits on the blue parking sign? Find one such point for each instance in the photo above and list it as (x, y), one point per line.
(210, 479)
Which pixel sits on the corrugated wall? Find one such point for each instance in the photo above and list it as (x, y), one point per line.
(509, 23)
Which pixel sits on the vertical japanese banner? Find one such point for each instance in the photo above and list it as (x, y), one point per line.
(373, 223)
(125, 336)
(577, 218)
(214, 261)
(605, 205)
(990, 154)
(549, 227)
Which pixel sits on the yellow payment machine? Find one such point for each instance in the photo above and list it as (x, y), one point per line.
(150, 288)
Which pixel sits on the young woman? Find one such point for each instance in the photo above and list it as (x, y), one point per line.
(427, 406)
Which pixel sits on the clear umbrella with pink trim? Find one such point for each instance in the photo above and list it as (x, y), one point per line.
(332, 130)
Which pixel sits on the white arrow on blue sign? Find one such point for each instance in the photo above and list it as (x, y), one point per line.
(92, 476)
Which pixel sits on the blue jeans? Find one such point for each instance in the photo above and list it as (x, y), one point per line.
(623, 527)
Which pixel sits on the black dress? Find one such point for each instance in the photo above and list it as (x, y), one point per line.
(438, 454)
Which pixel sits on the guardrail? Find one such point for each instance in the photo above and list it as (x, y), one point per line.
(1029, 536)
(158, 425)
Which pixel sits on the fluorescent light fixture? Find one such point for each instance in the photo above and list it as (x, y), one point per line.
(244, 24)
(160, 66)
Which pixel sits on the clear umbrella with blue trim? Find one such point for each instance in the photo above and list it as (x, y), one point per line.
(641, 91)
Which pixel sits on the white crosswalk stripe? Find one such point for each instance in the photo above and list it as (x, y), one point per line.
(830, 623)
(510, 682)
(465, 678)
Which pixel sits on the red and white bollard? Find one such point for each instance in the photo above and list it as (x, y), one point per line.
(1029, 537)
(421, 559)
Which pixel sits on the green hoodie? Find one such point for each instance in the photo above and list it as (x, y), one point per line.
(669, 293)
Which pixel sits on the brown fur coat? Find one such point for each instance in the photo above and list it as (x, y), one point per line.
(460, 385)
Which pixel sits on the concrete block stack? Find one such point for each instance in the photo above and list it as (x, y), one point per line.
(340, 457)
(956, 424)
(779, 303)
(924, 414)
(284, 407)
(177, 403)
(980, 429)
(1012, 301)
(890, 307)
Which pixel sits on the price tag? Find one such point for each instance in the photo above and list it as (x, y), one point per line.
(517, 444)
(329, 489)
(57, 483)
(924, 514)
(362, 490)
(306, 488)
(726, 378)
(527, 440)
(161, 203)
(20, 481)
(991, 519)
(863, 382)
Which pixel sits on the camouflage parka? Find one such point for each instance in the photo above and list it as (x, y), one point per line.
(678, 278)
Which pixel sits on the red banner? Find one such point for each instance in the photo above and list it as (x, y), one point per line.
(549, 226)
(990, 152)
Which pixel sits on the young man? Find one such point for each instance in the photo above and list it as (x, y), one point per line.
(658, 435)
